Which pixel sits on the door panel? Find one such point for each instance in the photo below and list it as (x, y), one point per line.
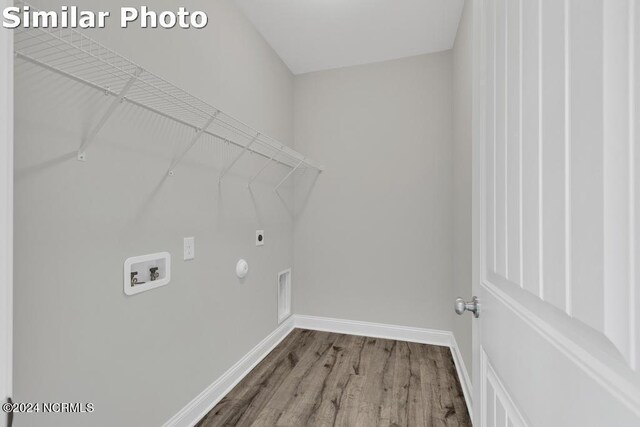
(530, 109)
(556, 233)
(554, 287)
(550, 380)
(620, 95)
(587, 168)
(512, 156)
(499, 405)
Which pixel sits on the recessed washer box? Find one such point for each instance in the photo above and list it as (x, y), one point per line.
(146, 272)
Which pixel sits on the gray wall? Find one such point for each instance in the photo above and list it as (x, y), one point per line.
(373, 239)
(140, 359)
(462, 107)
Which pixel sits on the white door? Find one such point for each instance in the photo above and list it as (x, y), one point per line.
(556, 224)
(6, 212)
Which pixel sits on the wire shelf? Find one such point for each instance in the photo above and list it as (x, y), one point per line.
(74, 55)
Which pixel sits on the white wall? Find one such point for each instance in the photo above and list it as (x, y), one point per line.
(80, 339)
(462, 106)
(373, 239)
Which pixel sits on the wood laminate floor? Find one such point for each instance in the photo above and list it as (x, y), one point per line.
(324, 379)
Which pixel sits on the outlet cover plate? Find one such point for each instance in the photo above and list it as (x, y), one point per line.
(259, 237)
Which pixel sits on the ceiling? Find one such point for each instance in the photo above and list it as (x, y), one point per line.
(313, 35)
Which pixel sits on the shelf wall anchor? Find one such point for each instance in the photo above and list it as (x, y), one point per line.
(193, 141)
(244, 150)
(112, 108)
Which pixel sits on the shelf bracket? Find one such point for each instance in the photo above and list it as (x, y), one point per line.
(244, 150)
(269, 160)
(288, 175)
(193, 141)
(112, 108)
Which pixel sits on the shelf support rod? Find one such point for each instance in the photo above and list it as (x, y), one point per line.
(269, 160)
(112, 108)
(288, 175)
(244, 150)
(193, 141)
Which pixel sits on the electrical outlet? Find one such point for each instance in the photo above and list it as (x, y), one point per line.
(260, 238)
(189, 248)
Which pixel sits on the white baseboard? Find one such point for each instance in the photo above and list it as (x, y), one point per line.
(375, 330)
(463, 374)
(198, 407)
(205, 401)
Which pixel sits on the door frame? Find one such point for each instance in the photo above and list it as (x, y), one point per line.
(6, 214)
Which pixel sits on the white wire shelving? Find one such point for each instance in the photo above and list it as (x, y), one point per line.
(76, 56)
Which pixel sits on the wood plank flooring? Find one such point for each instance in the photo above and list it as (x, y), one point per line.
(324, 379)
